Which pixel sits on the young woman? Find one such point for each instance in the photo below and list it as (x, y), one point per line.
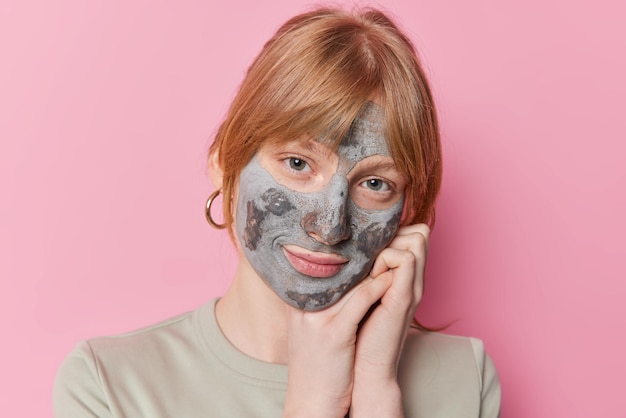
(329, 163)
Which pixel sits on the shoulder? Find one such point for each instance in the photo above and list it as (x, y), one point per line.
(438, 355)
(139, 347)
(442, 349)
(97, 367)
(147, 340)
(445, 372)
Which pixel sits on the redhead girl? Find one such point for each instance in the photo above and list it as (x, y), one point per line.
(328, 163)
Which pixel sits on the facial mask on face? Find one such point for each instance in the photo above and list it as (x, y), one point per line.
(273, 219)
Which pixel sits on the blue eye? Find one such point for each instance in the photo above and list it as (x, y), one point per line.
(376, 185)
(297, 164)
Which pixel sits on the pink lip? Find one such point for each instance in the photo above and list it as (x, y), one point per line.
(313, 264)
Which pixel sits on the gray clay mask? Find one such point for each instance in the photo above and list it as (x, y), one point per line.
(312, 248)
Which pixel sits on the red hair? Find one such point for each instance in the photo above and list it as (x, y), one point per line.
(313, 76)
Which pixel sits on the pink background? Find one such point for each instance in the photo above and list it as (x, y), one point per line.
(107, 109)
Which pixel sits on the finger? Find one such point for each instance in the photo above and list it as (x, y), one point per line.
(403, 264)
(407, 270)
(418, 233)
(414, 242)
(359, 300)
(415, 228)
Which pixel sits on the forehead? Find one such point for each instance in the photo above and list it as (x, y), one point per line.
(366, 136)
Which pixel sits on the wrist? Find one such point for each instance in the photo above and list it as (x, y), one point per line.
(377, 398)
(307, 406)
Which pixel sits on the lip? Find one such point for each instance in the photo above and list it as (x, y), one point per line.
(313, 264)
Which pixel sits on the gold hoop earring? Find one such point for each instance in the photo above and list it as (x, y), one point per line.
(207, 212)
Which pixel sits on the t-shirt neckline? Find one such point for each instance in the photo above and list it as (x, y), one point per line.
(243, 366)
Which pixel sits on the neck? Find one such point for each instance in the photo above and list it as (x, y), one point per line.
(253, 318)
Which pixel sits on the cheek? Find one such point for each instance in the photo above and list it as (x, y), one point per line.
(276, 202)
(376, 235)
(252, 232)
(271, 203)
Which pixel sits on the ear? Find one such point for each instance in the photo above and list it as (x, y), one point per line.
(215, 169)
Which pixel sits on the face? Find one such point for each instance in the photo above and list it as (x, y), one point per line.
(311, 220)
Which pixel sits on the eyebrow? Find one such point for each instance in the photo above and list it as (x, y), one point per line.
(386, 163)
(314, 147)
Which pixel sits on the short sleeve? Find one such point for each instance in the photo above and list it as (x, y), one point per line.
(490, 383)
(77, 388)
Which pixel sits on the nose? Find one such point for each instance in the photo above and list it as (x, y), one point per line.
(329, 222)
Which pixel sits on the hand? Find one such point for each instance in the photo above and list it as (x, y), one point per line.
(381, 337)
(331, 366)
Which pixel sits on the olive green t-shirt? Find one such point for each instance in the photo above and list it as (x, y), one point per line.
(185, 368)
